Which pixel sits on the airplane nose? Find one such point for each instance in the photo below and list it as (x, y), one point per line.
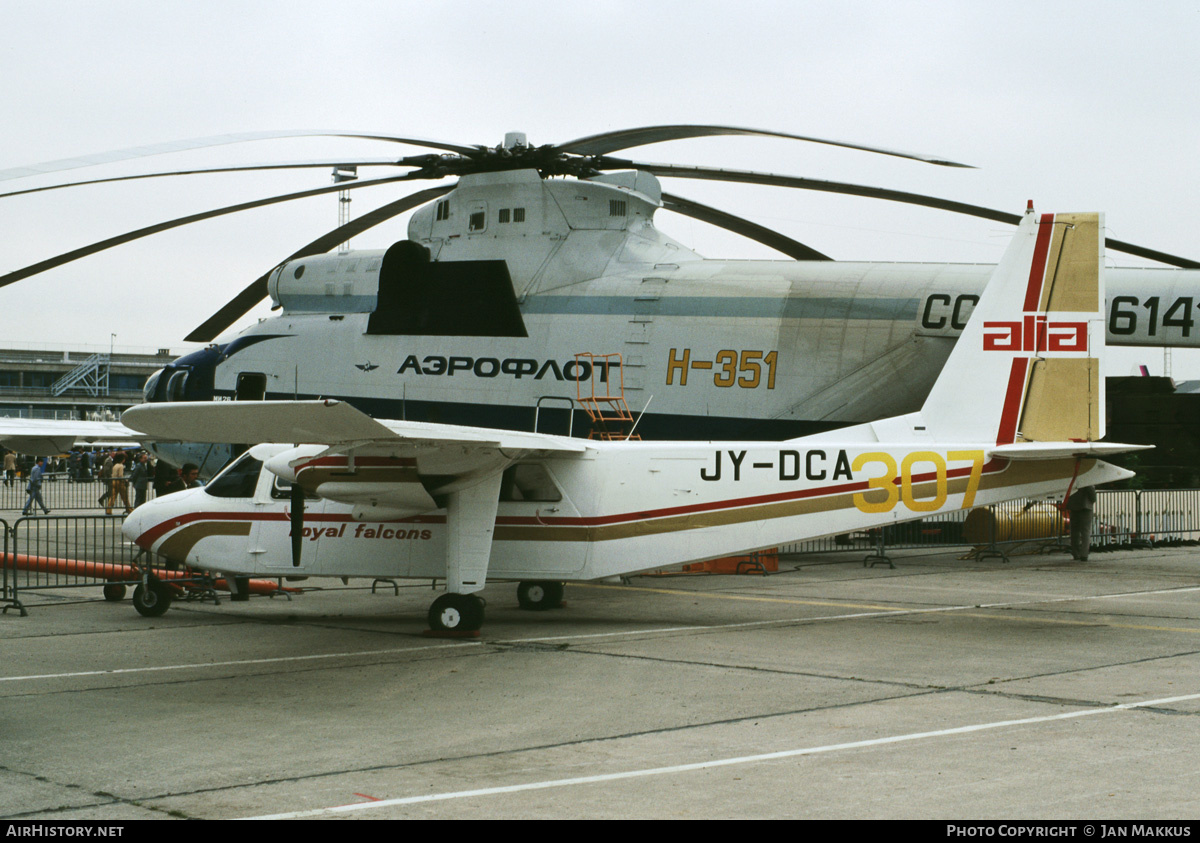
(136, 524)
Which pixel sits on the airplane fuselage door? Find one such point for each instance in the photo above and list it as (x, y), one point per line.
(271, 536)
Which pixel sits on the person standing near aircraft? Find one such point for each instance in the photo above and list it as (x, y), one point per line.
(117, 486)
(10, 467)
(141, 479)
(35, 488)
(188, 479)
(1080, 505)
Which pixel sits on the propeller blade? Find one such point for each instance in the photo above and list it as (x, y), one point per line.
(240, 305)
(293, 165)
(100, 246)
(116, 155)
(748, 177)
(791, 248)
(297, 518)
(607, 142)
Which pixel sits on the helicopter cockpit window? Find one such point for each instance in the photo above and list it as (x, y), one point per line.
(443, 210)
(151, 386)
(528, 482)
(177, 385)
(238, 480)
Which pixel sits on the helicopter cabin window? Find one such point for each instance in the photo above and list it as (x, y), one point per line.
(518, 215)
(251, 386)
(616, 207)
(477, 221)
(443, 210)
(237, 481)
(528, 482)
(504, 214)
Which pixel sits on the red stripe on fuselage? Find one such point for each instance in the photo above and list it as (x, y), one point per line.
(158, 531)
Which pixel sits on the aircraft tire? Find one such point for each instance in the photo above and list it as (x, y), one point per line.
(539, 595)
(456, 613)
(114, 592)
(151, 600)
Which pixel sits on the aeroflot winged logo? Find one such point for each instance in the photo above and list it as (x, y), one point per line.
(1035, 333)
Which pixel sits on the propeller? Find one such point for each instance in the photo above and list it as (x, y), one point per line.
(297, 519)
(737, 225)
(129, 236)
(583, 157)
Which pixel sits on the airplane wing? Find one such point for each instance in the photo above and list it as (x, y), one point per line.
(384, 469)
(45, 437)
(323, 422)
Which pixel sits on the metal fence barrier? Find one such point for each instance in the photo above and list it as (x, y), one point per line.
(1121, 517)
(74, 551)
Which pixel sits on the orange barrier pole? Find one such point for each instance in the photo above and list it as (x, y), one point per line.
(115, 571)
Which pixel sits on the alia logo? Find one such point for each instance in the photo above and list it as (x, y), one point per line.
(1035, 333)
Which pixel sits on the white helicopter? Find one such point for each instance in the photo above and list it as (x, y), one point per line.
(1016, 412)
(540, 252)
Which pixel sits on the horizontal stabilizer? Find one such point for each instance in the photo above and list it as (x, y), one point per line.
(1057, 450)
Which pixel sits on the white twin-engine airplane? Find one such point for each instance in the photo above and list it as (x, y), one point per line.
(1016, 412)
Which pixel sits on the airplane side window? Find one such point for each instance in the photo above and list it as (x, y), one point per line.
(477, 222)
(528, 482)
(281, 490)
(504, 213)
(518, 215)
(237, 481)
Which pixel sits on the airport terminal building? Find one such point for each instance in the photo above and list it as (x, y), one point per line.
(79, 382)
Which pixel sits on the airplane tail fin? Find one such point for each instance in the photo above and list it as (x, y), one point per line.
(1027, 366)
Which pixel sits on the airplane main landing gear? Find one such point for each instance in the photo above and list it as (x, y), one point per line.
(456, 613)
(537, 595)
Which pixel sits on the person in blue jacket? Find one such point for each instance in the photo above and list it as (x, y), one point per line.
(35, 488)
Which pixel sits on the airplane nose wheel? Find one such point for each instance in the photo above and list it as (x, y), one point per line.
(537, 595)
(456, 613)
(151, 600)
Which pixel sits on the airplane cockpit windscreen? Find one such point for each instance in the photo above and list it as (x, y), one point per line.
(238, 480)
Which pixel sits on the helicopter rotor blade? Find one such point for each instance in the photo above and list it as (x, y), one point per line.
(129, 236)
(607, 142)
(799, 182)
(782, 243)
(116, 155)
(291, 165)
(241, 304)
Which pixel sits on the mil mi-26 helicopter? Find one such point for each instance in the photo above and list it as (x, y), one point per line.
(537, 253)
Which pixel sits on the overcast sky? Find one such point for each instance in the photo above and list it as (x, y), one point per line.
(1077, 105)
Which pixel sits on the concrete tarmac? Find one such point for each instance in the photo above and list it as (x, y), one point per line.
(1038, 688)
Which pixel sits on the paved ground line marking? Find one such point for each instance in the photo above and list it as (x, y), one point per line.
(235, 663)
(723, 762)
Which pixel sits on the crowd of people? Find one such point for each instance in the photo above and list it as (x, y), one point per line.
(115, 470)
